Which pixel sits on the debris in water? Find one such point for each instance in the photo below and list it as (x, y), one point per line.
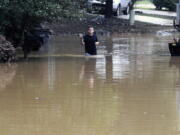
(145, 113)
(74, 84)
(164, 33)
(37, 98)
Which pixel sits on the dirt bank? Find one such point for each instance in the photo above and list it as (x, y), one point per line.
(113, 25)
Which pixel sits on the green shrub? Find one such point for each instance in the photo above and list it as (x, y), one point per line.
(169, 4)
(7, 50)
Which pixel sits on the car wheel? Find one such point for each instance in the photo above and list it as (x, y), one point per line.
(126, 12)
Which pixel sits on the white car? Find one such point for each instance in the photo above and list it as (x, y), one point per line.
(119, 6)
(95, 5)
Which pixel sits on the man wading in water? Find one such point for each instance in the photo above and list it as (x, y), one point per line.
(90, 42)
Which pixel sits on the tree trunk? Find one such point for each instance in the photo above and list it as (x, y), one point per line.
(132, 4)
(132, 13)
(109, 8)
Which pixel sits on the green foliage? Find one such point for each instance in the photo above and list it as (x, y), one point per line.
(19, 16)
(170, 4)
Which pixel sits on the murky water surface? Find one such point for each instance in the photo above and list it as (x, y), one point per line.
(134, 89)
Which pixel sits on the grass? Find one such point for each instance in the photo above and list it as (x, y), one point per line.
(145, 4)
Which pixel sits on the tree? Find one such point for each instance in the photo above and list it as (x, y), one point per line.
(108, 10)
(132, 14)
(19, 17)
(132, 4)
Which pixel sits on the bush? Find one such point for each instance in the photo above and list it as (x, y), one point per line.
(170, 4)
(7, 50)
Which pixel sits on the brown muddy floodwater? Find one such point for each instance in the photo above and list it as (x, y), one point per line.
(132, 89)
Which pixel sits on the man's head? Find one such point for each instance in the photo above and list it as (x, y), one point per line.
(90, 30)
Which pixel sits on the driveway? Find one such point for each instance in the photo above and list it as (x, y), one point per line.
(164, 18)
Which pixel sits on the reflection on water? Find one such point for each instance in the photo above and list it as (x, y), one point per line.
(7, 73)
(133, 90)
(51, 73)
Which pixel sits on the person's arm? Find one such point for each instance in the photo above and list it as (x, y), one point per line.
(97, 42)
(82, 39)
(82, 42)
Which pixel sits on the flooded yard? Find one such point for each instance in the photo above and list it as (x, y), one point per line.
(132, 89)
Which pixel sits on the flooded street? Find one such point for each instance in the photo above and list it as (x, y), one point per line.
(132, 89)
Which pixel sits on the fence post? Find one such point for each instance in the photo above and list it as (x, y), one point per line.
(178, 13)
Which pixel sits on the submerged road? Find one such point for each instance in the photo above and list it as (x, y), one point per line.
(136, 91)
